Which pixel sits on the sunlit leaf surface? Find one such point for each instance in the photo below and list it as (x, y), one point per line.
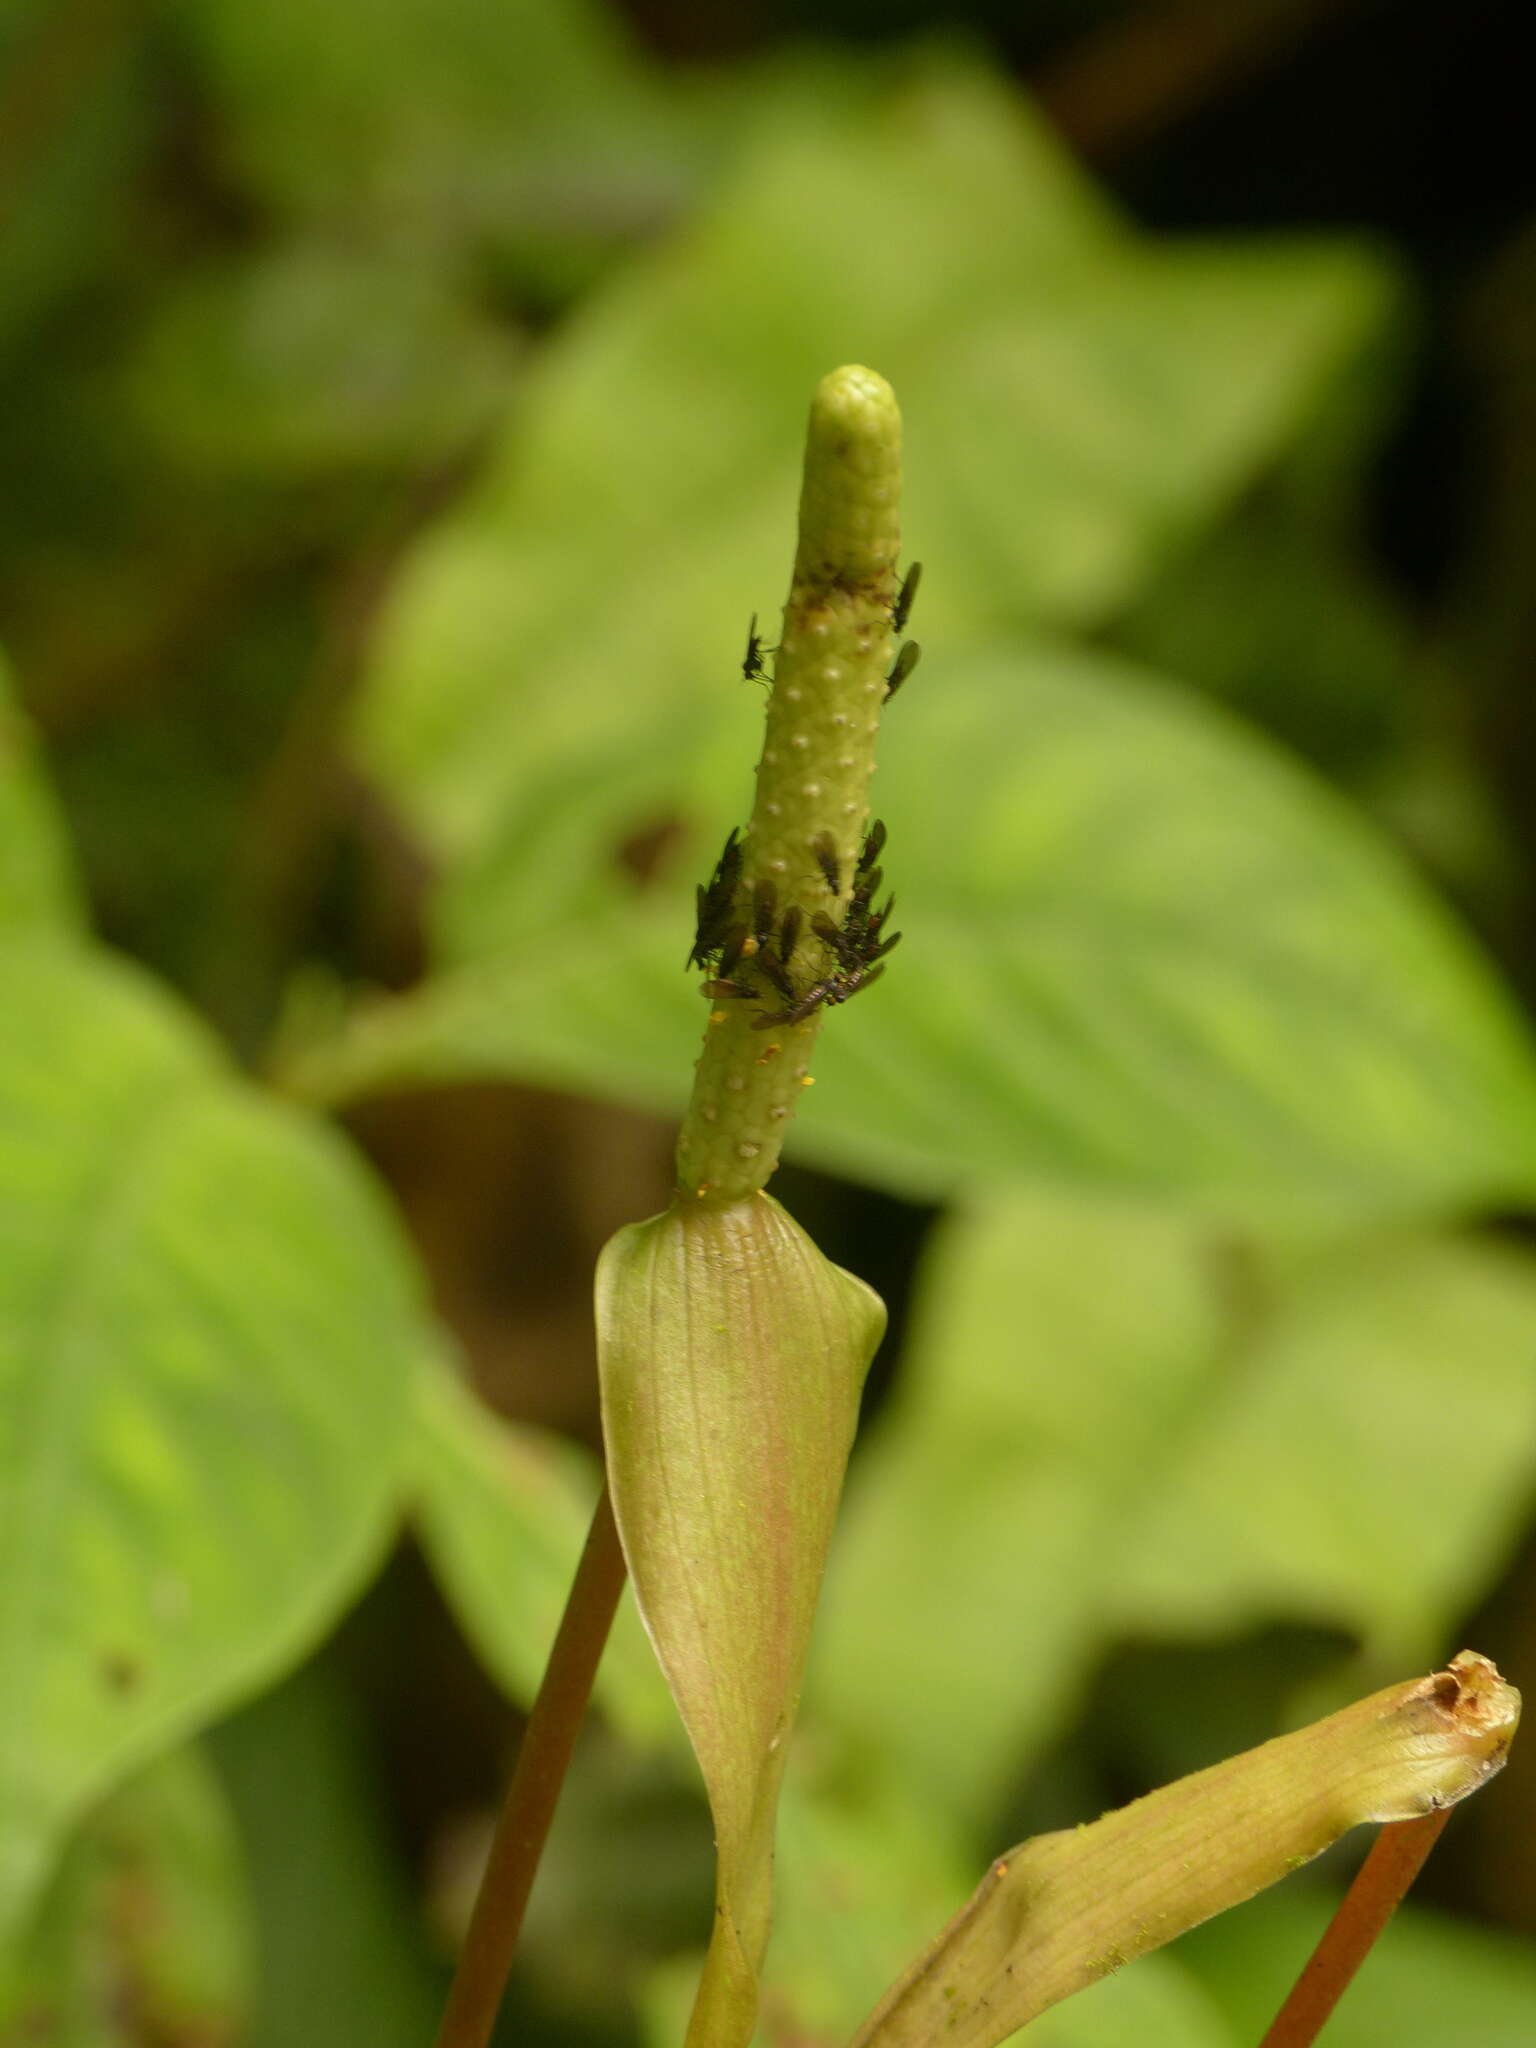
(503, 1511)
(1143, 950)
(1081, 401)
(206, 1329)
(1115, 1426)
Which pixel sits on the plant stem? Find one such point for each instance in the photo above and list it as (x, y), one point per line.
(1396, 1858)
(542, 1761)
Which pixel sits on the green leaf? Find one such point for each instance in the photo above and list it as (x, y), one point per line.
(345, 1957)
(863, 1876)
(206, 1330)
(1429, 1977)
(502, 1511)
(1033, 1396)
(1383, 1375)
(1066, 1909)
(37, 889)
(1146, 949)
(310, 357)
(466, 122)
(1156, 2005)
(1143, 950)
(75, 157)
(1286, 625)
(731, 1356)
(863, 1873)
(1080, 401)
(144, 1932)
(1126, 1427)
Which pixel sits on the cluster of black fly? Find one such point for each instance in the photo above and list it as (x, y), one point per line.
(747, 945)
(738, 940)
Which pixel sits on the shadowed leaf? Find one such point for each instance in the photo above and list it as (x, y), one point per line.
(37, 890)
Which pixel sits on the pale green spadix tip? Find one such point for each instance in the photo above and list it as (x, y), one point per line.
(834, 653)
(850, 500)
(1063, 1910)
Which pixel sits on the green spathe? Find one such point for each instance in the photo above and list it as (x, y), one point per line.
(1063, 1910)
(732, 1355)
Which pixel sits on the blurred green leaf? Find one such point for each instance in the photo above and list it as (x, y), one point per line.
(1290, 628)
(37, 888)
(448, 121)
(1143, 950)
(144, 1933)
(1428, 1979)
(1156, 2003)
(1080, 402)
(1114, 1426)
(345, 1960)
(503, 1510)
(1055, 1350)
(78, 127)
(864, 1875)
(309, 357)
(1381, 1377)
(206, 1331)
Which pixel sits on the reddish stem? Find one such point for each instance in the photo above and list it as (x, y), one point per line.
(1396, 1858)
(542, 1761)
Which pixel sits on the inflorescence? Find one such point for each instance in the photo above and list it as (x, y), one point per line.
(754, 952)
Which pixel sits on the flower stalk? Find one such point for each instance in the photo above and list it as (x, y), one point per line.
(800, 850)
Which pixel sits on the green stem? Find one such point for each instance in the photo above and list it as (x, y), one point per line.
(543, 1758)
(813, 779)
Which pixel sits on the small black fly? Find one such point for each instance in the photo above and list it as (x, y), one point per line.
(902, 667)
(730, 950)
(901, 611)
(752, 669)
(833, 988)
(824, 846)
(716, 904)
(773, 970)
(765, 903)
